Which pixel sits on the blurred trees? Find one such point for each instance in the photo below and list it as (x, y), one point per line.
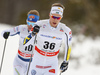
(82, 16)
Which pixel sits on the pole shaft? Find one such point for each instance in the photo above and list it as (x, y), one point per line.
(31, 57)
(29, 64)
(60, 73)
(3, 55)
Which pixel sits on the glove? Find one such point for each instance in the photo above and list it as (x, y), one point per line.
(6, 35)
(64, 66)
(35, 30)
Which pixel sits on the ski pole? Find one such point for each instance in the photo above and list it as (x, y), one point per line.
(3, 55)
(60, 72)
(31, 57)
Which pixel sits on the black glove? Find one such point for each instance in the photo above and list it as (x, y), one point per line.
(6, 35)
(64, 66)
(35, 30)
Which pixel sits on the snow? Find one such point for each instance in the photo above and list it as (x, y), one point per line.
(10, 51)
(85, 54)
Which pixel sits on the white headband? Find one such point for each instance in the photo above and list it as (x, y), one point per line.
(56, 10)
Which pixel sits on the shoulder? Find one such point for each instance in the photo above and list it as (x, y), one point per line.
(64, 27)
(41, 22)
(22, 26)
(45, 20)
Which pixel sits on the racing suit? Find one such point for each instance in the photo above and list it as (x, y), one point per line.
(22, 58)
(47, 47)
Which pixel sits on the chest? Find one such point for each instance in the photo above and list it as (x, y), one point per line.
(23, 34)
(48, 39)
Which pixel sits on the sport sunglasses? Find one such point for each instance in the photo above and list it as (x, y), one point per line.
(54, 17)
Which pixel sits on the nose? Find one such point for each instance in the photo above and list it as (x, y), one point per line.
(55, 19)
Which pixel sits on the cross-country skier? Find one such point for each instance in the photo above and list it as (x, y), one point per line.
(52, 34)
(22, 58)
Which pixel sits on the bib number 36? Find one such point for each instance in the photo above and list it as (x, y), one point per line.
(49, 45)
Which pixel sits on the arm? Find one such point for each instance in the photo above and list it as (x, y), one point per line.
(10, 32)
(67, 39)
(34, 30)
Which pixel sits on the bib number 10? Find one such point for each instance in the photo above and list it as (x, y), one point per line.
(49, 45)
(29, 47)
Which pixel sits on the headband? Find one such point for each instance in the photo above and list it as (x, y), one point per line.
(32, 17)
(56, 10)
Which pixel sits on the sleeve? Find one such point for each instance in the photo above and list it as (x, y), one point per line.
(67, 40)
(13, 31)
(39, 23)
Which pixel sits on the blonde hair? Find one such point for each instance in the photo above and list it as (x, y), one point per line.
(35, 12)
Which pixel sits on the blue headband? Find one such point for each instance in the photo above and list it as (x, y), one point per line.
(32, 17)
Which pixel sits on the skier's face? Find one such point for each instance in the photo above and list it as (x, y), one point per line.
(30, 25)
(55, 19)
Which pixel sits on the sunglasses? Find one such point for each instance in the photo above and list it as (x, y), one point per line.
(54, 17)
(30, 23)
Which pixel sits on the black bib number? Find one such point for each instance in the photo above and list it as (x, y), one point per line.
(29, 47)
(49, 45)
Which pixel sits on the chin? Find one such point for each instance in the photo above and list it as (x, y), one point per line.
(54, 25)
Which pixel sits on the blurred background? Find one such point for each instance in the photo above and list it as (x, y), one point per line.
(82, 16)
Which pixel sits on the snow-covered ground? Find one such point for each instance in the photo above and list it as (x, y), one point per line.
(85, 55)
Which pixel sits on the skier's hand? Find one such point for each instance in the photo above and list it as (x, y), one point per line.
(6, 35)
(64, 66)
(35, 30)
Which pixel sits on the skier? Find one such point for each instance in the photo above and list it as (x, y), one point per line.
(52, 34)
(22, 58)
